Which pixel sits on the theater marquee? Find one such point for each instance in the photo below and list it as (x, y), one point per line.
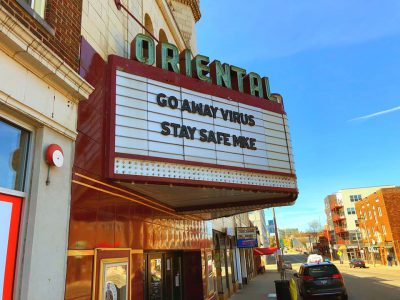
(168, 128)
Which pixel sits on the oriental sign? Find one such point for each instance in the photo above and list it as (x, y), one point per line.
(168, 58)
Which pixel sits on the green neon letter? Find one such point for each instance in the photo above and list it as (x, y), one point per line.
(220, 74)
(185, 63)
(253, 84)
(167, 57)
(142, 49)
(266, 89)
(237, 75)
(201, 68)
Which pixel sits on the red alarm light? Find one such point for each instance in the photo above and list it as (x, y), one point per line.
(54, 155)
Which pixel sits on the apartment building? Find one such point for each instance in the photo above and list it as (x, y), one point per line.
(342, 221)
(379, 222)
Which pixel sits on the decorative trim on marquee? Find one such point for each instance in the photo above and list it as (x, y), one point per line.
(125, 166)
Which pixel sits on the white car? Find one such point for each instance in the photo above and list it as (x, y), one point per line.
(314, 258)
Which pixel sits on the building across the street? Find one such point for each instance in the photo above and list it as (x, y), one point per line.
(343, 225)
(379, 221)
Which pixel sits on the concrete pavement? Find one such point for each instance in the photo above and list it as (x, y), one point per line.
(260, 287)
(372, 283)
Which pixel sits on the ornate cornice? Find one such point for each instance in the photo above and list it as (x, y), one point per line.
(22, 45)
(194, 5)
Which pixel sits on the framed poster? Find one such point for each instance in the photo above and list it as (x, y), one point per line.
(10, 211)
(114, 279)
(112, 274)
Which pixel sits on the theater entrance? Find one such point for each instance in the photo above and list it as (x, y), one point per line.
(163, 275)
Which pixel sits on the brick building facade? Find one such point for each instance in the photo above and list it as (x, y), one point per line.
(40, 91)
(59, 28)
(379, 216)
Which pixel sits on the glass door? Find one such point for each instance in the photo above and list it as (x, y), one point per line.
(155, 277)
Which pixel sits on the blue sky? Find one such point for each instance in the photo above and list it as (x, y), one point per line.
(337, 64)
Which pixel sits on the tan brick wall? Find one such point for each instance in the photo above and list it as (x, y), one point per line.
(64, 16)
(388, 199)
(392, 201)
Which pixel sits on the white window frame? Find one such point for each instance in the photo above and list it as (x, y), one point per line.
(39, 6)
(379, 211)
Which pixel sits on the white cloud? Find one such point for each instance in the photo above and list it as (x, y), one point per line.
(379, 113)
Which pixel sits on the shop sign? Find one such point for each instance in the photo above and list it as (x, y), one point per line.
(246, 237)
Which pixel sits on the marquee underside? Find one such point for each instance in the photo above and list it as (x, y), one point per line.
(211, 202)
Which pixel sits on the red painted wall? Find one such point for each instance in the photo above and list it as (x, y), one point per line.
(102, 219)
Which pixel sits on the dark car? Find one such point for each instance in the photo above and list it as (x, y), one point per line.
(356, 262)
(320, 280)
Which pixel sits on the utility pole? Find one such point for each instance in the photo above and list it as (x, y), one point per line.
(278, 244)
(329, 243)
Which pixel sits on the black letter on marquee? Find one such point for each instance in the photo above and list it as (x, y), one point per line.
(162, 102)
(251, 120)
(165, 130)
(172, 102)
(203, 135)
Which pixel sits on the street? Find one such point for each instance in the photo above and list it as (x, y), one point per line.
(371, 283)
(362, 284)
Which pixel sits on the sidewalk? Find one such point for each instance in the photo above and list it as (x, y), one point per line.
(260, 287)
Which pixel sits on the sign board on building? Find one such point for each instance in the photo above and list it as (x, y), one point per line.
(246, 237)
(209, 126)
(243, 141)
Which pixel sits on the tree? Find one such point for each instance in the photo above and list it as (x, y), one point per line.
(314, 227)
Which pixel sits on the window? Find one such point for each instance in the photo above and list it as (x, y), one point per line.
(384, 229)
(379, 211)
(357, 223)
(162, 37)
(13, 156)
(148, 24)
(321, 271)
(38, 6)
(351, 211)
(355, 198)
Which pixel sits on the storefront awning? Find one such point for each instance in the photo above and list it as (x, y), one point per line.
(264, 251)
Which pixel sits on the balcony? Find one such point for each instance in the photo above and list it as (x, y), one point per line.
(342, 242)
(338, 218)
(340, 230)
(336, 206)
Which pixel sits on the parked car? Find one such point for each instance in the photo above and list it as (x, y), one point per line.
(320, 280)
(356, 262)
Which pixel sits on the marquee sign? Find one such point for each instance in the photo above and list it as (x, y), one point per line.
(167, 126)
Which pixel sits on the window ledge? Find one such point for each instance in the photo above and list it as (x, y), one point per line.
(37, 17)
